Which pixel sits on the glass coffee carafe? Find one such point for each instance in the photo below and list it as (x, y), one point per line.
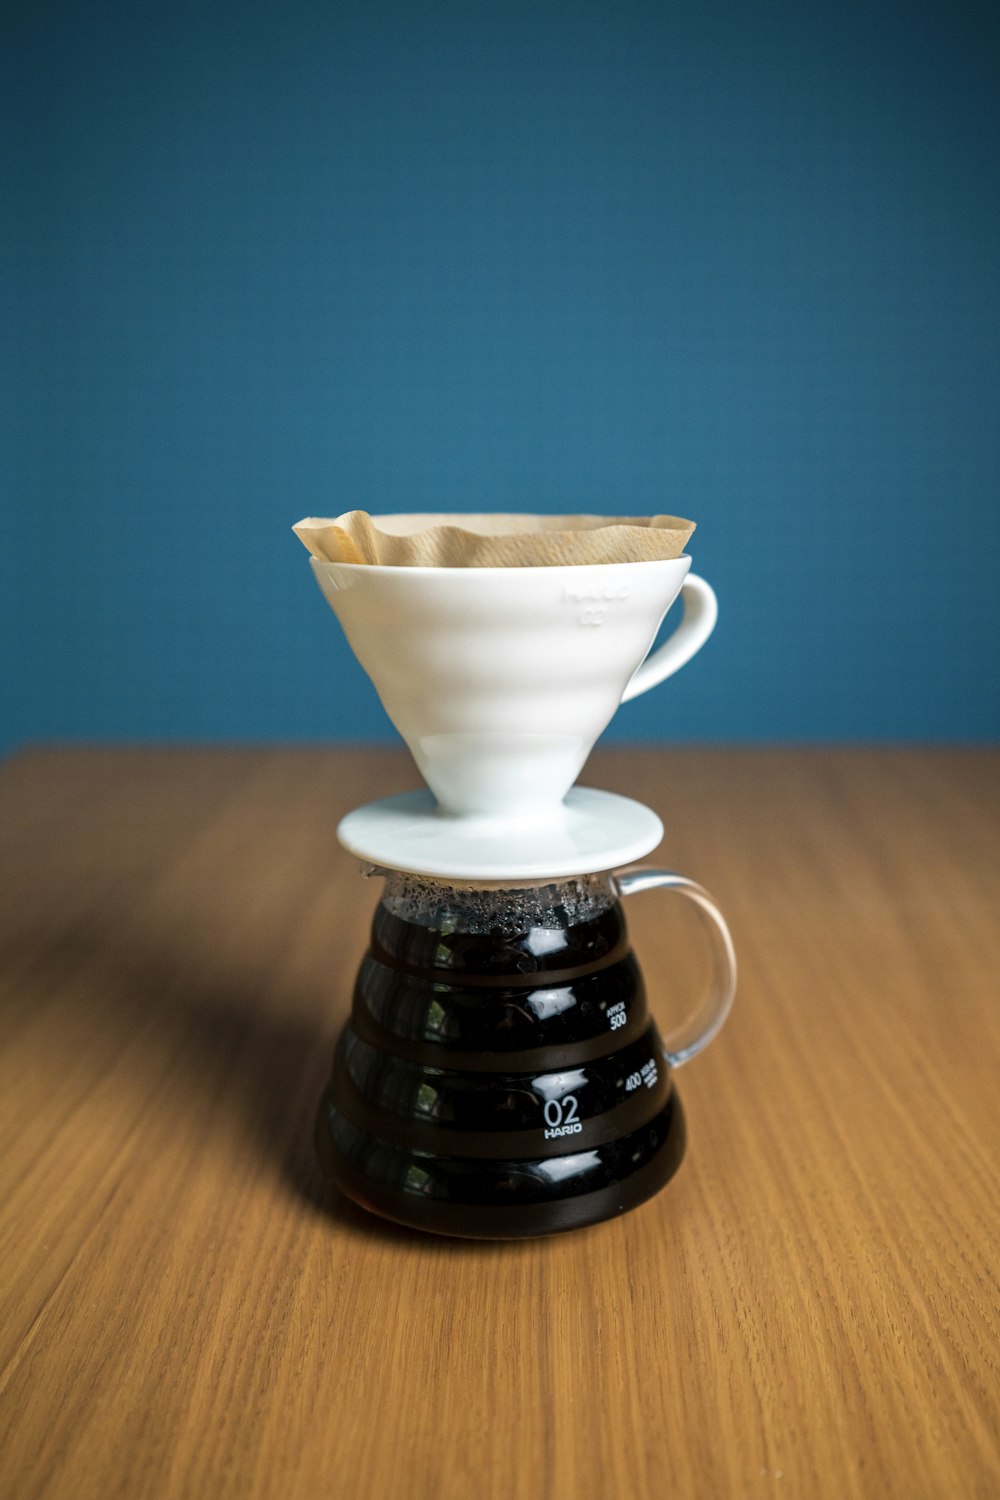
(500, 1075)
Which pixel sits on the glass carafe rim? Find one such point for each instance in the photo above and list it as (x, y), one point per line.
(491, 907)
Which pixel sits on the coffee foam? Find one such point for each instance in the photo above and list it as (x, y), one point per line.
(478, 910)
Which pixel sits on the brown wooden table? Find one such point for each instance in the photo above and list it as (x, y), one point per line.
(808, 1309)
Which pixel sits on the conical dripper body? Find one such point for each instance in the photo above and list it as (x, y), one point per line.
(501, 679)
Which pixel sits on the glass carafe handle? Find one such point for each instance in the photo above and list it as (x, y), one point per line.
(681, 1044)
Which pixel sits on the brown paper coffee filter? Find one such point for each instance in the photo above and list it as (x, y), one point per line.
(492, 541)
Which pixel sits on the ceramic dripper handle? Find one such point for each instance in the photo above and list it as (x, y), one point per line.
(701, 610)
(685, 1041)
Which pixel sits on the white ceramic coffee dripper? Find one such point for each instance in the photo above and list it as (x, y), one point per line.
(501, 679)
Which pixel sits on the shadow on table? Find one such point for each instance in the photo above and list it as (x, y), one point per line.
(238, 1050)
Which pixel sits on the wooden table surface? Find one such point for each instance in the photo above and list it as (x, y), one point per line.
(808, 1309)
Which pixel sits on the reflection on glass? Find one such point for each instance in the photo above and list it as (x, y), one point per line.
(542, 940)
(436, 1018)
(555, 1085)
(427, 1100)
(417, 1180)
(558, 1168)
(548, 1003)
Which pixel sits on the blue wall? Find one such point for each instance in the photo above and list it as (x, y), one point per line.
(736, 261)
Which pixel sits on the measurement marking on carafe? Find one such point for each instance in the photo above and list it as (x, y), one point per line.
(647, 1074)
(561, 1117)
(616, 1015)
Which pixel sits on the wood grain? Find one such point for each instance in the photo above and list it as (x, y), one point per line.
(809, 1309)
